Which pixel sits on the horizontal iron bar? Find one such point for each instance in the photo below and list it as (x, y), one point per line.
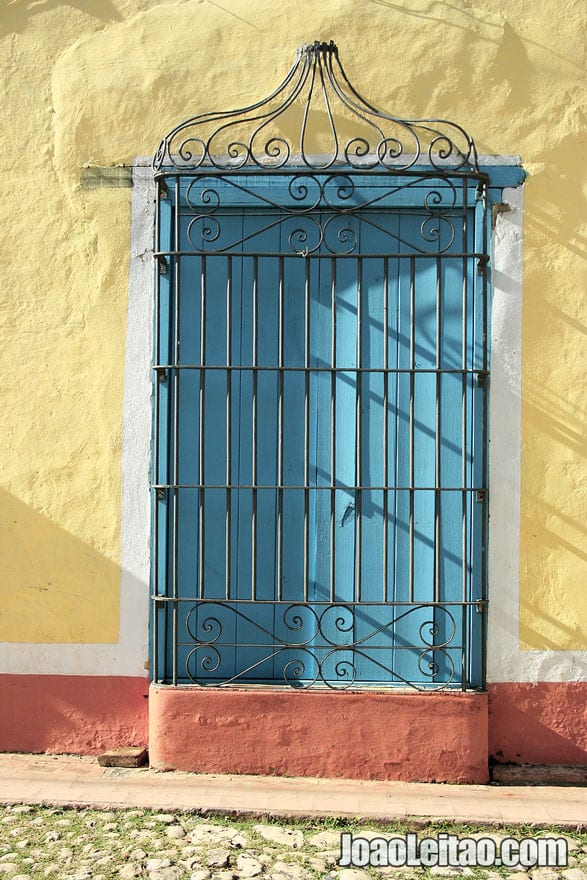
(318, 603)
(285, 369)
(325, 487)
(324, 646)
(383, 255)
(292, 170)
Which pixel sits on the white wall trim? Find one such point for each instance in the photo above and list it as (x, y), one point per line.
(505, 661)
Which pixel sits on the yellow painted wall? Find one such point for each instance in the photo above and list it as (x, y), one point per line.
(98, 83)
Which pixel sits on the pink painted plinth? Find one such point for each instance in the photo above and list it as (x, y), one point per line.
(358, 735)
(79, 714)
(543, 723)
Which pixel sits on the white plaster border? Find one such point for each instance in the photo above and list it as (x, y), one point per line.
(505, 661)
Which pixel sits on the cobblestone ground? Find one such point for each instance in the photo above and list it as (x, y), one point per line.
(37, 842)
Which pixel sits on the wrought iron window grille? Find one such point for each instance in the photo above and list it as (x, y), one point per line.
(392, 210)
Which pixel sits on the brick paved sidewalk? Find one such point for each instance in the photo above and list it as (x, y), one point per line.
(68, 780)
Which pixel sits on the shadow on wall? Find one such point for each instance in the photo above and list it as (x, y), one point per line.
(468, 19)
(15, 15)
(553, 607)
(538, 723)
(56, 588)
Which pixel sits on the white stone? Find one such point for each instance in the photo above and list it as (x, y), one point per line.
(318, 865)
(218, 858)
(544, 874)
(325, 839)
(574, 874)
(294, 872)
(129, 871)
(8, 868)
(192, 860)
(175, 831)
(171, 873)
(283, 836)
(353, 874)
(166, 818)
(157, 864)
(204, 833)
(248, 866)
(202, 874)
(137, 855)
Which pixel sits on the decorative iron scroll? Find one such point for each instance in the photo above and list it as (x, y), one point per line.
(320, 212)
(315, 87)
(336, 645)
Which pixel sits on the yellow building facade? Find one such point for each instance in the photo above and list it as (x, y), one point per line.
(87, 95)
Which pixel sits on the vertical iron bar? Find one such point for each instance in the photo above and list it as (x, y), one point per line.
(156, 450)
(228, 523)
(358, 468)
(280, 434)
(412, 383)
(201, 475)
(385, 427)
(332, 429)
(306, 427)
(464, 417)
(399, 331)
(175, 434)
(254, 437)
(437, 445)
(485, 391)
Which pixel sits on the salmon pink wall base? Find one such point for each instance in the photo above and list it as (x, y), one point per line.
(82, 714)
(409, 737)
(542, 723)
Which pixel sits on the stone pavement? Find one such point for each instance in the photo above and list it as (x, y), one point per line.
(70, 780)
(37, 843)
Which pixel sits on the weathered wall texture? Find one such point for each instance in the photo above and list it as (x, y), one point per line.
(97, 84)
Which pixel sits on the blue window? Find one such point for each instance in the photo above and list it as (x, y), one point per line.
(320, 418)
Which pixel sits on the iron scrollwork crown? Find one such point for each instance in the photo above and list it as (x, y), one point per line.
(352, 132)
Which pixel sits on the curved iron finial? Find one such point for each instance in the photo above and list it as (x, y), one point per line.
(332, 125)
